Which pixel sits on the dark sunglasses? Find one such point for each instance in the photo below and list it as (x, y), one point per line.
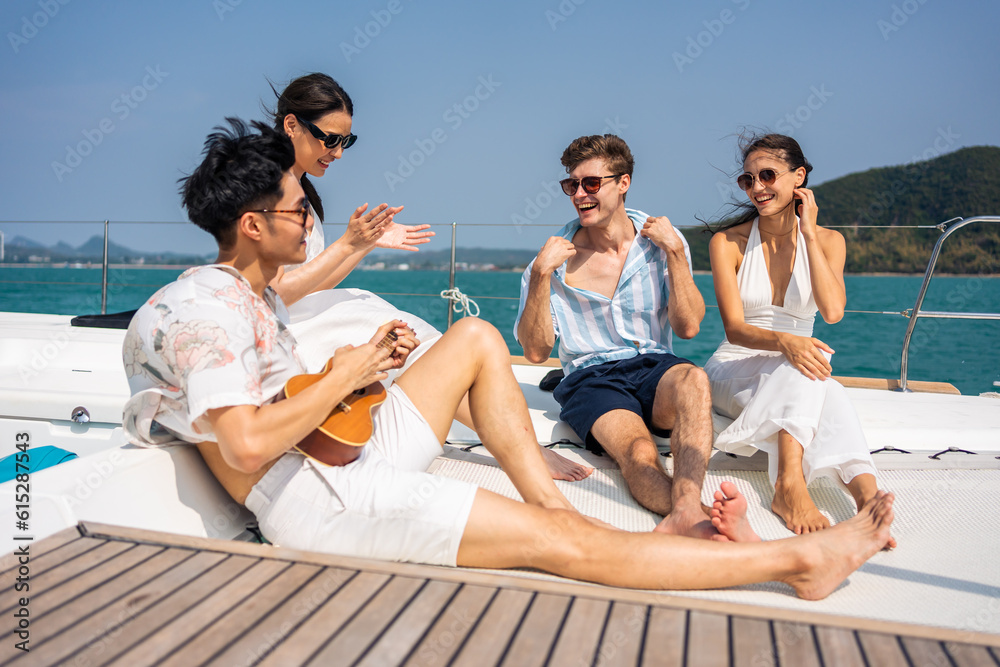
(304, 211)
(591, 184)
(765, 176)
(330, 140)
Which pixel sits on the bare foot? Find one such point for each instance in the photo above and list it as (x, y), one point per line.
(729, 514)
(829, 556)
(690, 522)
(862, 493)
(561, 467)
(793, 504)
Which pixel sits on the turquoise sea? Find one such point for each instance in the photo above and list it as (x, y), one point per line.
(963, 352)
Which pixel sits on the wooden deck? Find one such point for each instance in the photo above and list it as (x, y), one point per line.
(104, 595)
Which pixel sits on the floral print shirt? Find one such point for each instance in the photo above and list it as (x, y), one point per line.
(202, 342)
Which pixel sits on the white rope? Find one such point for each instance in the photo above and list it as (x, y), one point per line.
(460, 302)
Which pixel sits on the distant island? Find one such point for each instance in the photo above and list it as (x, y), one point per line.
(864, 206)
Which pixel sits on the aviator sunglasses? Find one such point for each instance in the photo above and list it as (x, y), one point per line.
(591, 184)
(329, 140)
(765, 176)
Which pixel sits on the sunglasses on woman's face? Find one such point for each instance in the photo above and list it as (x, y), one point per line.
(591, 184)
(765, 176)
(330, 140)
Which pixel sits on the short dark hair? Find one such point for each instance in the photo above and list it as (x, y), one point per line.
(242, 170)
(608, 147)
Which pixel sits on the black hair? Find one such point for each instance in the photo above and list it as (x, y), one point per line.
(785, 149)
(310, 97)
(242, 170)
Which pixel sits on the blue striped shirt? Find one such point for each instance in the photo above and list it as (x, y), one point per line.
(593, 329)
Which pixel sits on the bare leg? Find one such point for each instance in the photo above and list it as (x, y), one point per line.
(683, 404)
(559, 466)
(502, 533)
(626, 439)
(472, 357)
(791, 497)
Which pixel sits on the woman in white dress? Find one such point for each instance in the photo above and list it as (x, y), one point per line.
(773, 270)
(317, 114)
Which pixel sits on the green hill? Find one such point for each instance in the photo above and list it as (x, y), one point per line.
(965, 183)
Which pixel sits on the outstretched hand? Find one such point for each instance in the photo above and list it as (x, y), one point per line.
(403, 237)
(365, 228)
(806, 354)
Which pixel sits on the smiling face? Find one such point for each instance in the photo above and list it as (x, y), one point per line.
(311, 156)
(284, 236)
(774, 198)
(598, 209)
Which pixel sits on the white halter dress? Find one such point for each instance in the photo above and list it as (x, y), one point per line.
(765, 394)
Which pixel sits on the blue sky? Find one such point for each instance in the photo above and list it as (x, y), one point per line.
(463, 109)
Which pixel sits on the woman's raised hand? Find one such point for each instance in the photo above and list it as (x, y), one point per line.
(403, 237)
(806, 354)
(807, 212)
(364, 229)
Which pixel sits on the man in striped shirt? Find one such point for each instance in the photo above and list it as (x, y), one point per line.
(611, 286)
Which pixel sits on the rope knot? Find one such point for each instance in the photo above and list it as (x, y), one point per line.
(460, 303)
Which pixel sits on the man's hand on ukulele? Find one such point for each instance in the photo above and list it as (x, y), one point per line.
(363, 364)
(405, 341)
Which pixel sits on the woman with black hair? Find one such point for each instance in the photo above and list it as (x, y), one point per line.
(317, 115)
(773, 268)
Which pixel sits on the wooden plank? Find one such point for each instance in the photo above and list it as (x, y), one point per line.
(551, 362)
(274, 628)
(182, 599)
(360, 632)
(920, 386)
(53, 577)
(179, 632)
(581, 633)
(93, 636)
(882, 650)
(838, 646)
(925, 652)
(407, 630)
(37, 549)
(537, 635)
(967, 655)
(488, 641)
(623, 635)
(452, 627)
(551, 585)
(666, 636)
(241, 618)
(328, 620)
(89, 605)
(87, 577)
(796, 644)
(707, 639)
(752, 642)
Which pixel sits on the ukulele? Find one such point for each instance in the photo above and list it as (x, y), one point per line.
(339, 439)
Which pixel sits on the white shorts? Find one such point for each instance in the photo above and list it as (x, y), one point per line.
(383, 505)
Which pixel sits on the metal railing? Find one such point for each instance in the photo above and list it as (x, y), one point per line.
(947, 228)
(915, 313)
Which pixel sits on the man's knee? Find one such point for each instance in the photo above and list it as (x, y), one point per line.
(687, 382)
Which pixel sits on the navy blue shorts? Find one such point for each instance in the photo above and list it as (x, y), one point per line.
(629, 384)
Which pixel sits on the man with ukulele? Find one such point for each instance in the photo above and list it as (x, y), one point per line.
(208, 356)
